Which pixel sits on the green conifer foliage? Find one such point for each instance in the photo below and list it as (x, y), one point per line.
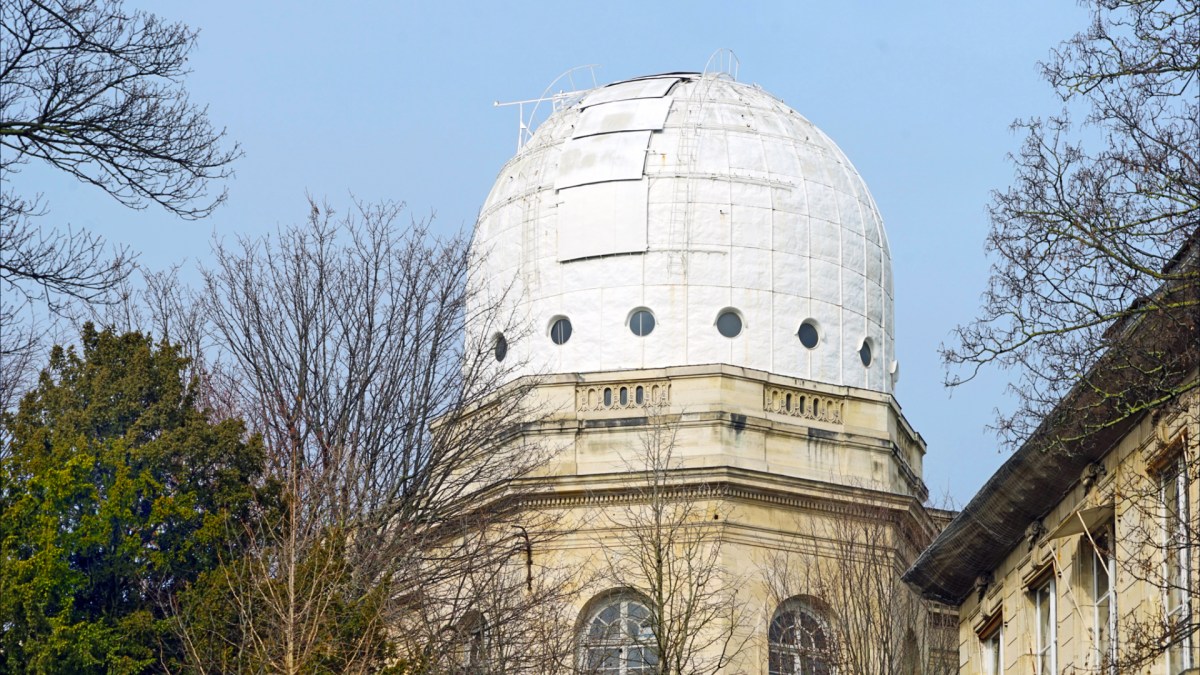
(116, 493)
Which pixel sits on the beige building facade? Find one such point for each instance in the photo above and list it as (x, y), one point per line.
(776, 495)
(1081, 562)
(1080, 554)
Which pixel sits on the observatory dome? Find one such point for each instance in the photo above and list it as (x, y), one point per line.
(685, 219)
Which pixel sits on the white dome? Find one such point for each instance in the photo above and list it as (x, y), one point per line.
(687, 196)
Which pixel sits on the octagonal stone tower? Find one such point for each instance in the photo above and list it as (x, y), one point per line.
(690, 259)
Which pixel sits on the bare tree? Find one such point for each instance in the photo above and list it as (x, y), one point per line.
(93, 90)
(393, 441)
(852, 612)
(507, 614)
(666, 550)
(1098, 232)
(160, 304)
(1094, 297)
(17, 355)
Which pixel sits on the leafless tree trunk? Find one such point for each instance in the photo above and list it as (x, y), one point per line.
(848, 570)
(667, 548)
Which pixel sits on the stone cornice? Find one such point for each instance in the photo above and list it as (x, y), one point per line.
(754, 488)
(732, 483)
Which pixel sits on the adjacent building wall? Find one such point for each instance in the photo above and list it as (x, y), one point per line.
(1115, 507)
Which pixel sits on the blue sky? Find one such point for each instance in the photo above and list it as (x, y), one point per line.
(394, 101)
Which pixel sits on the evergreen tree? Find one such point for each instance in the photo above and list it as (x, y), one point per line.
(116, 493)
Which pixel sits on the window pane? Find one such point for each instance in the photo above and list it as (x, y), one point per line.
(1100, 573)
(1102, 596)
(729, 324)
(641, 323)
(1102, 637)
(991, 655)
(1175, 536)
(781, 629)
(560, 332)
(780, 663)
(501, 348)
(798, 643)
(610, 659)
(609, 614)
(1178, 552)
(813, 666)
(864, 353)
(1044, 616)
(1044, 608)
(808, 335)
(599, 658)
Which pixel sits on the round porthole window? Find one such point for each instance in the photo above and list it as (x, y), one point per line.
(500, 347)
(808, 334)
(729, 323)
(864, 352)
(641, 322)
(560, 330)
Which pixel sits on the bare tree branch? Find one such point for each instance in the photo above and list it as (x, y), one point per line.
(1085, 241)
(393, 439)
(95, 91)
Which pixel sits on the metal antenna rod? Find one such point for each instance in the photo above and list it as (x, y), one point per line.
(525, 126)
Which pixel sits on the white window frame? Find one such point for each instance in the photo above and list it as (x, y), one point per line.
(1102, 561)
(1173, 487)
(1045, 645)
(993, 652)
(624, 641)
(799, 658)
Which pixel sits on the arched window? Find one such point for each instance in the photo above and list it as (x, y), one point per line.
(618, 638)
(799, 641)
